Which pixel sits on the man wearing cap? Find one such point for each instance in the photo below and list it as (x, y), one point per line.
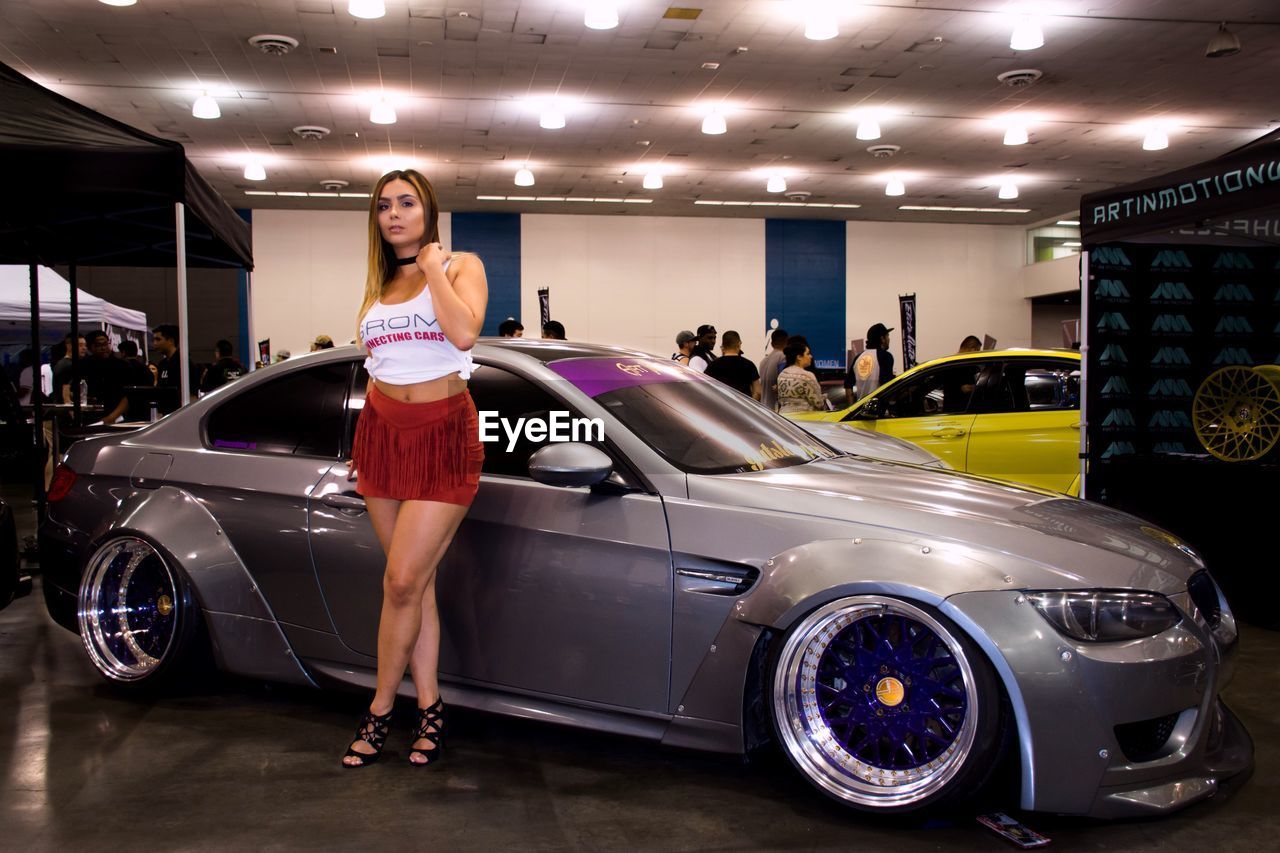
(874, 367)
(704, 353)
(685, 342)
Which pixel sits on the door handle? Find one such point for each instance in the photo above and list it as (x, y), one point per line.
(1076, 425)
(346, 503)
(948, 433)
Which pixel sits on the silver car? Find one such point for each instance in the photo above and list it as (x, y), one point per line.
(704, 574)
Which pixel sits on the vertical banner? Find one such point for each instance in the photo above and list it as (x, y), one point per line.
(907, 310)
(544, 306)
(264, 352)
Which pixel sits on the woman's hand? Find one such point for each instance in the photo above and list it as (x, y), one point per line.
(351, 470)
(432, 256)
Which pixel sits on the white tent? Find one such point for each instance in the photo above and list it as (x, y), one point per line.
(55, 304)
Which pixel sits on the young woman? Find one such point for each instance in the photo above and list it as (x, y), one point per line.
(417, 453)
(798, 390)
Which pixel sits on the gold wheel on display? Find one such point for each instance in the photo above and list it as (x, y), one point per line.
(1237, 412)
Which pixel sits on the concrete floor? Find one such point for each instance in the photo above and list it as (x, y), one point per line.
(236, 765)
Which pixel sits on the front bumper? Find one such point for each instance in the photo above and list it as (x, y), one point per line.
(1069, 698)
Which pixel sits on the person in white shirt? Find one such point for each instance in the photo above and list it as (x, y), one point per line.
(26, 383)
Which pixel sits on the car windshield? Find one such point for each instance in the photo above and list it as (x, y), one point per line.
(697, 424)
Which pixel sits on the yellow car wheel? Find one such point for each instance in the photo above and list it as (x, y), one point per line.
(1237, 412)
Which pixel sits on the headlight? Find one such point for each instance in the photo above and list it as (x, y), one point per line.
(1104, 615)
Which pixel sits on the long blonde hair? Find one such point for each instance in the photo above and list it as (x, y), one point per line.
(382, 258)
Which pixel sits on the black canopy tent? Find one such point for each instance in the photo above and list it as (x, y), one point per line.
(85, 189)
(1180, 286)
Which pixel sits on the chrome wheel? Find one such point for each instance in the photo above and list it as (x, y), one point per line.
(877, 702)
(132, 610)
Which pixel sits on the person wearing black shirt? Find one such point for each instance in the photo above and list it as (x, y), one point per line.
(63, 371)
(107, 377)
(164, 340)
(222, 371)
(733, 369)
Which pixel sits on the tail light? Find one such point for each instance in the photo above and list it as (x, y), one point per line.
(63, 479)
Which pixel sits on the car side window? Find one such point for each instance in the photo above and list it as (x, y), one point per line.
(944, 391)
(511, 397)
(1029, 386)
(300, 413)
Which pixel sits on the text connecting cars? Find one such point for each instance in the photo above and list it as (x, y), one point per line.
(1009, 414)
(706, 575)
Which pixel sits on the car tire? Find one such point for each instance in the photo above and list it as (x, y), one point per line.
(136, 614)
(885, 705)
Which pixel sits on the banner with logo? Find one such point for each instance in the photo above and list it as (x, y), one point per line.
(1163, 320)
(907, 312)
(544, 306)
(264, 351)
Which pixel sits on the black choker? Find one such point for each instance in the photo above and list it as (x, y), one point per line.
(404, 262)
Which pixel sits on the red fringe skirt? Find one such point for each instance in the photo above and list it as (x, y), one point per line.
(418, 451)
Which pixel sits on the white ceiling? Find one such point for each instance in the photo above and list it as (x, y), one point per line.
(459, 74)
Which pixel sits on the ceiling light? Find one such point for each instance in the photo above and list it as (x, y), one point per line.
(776, 184)
(868, 128)
(820, 21)
(255, 172)
(382, 113)
(1008, 190)
(1156, 140)
(895, 187)
(601, 15)
(368, 9)
(1026, 35)
(1015, 134)
(1223, 43)
(119, 2)
(1068, 222)
(653, 181)
(714, 124)
(1072, 244)
(964, 209)
(552, 118)
(205, 107)
(524, 178)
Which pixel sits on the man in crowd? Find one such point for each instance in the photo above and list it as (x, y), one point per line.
(685, 342)
(770, 365)
(553, 330)
(874, 366)
(510, 328)
(63, 370)
(107, 377)
(164, 340)
(734, 369)
(321, 342)
(226, 367)
(704, 353)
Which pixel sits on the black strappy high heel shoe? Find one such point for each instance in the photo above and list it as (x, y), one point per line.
(372, 730)
(430, 727)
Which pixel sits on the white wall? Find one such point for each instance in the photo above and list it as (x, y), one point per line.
(967, 280)
(635, 282)
(1049, 277)
(309, 272)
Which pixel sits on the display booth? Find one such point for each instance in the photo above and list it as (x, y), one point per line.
(1181, 295)
(55, 312)
(83, 189)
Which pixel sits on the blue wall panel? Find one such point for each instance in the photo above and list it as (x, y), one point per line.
(248, 353)
(495, 237)
(804, 283)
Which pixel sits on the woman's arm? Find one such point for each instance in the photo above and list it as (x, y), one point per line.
(813, 394)
(459, 299)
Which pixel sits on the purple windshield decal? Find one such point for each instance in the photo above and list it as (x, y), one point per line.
(237, 445)
(596, 376)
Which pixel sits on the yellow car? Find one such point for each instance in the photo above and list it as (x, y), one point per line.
(1008, 414)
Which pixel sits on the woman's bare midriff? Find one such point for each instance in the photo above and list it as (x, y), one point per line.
(424, 392)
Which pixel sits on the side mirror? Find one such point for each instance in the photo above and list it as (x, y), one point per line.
(570, 464)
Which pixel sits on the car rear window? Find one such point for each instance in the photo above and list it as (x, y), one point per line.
(298, 413)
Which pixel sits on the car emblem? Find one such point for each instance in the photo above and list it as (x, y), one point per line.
(890, 692)
(164, 605)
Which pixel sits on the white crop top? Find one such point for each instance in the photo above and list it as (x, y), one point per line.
(407, 345)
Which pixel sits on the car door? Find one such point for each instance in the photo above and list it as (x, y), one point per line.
(931, 409)
(1027, 429)
(559, 591)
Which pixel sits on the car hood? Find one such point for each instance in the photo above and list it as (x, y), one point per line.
(1043, 538)
(873, 445)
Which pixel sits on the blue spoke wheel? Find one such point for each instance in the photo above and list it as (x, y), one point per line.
(134, 612)
(885, 704)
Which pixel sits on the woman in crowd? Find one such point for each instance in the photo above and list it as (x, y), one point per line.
(798, 389)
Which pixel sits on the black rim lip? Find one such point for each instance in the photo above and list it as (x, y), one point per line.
(93, 618)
